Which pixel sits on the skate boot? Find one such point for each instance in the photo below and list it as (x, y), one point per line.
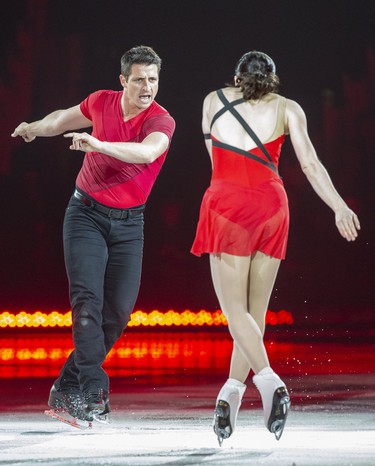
(275, 400)
(68, 400)
(96, 405)
(228, 403)
(67, 406)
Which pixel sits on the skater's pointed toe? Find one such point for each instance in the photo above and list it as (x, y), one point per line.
(222, 421)
(227, 406)
(279, 412)
(275, 400)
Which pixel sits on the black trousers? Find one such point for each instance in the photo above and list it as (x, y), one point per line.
(103, 258)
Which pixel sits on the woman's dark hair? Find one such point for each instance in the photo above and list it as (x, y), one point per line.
(256, 75)
(140, 55)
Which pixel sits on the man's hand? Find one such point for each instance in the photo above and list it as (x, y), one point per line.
(84, 142)
(23, 130)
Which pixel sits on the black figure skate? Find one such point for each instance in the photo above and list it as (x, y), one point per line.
(67, 406)
(96, 405)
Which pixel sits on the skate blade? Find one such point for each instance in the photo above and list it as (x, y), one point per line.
(63, 416)
(277, 428)
(279, 414)
(101, 418)
(220, 440)
(222, 427)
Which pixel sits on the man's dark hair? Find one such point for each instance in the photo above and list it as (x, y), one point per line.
(256, 75)
(140, 55)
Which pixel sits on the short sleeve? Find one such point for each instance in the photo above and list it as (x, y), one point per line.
(87, 105)
(163, 123)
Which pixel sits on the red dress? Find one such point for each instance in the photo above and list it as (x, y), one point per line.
(245, 209)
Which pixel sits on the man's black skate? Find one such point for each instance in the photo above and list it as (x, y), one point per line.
(69, 400)
(67, 406)
(222, 425)
(96, 405)
(279, 412)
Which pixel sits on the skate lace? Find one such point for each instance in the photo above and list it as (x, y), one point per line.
(98, 397)
(95, 397)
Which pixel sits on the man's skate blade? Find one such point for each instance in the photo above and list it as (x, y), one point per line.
(101, 418)
(60, 416)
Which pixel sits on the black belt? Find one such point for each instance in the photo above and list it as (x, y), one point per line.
(119, 214)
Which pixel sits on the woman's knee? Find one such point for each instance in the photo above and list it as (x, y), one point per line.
(244, 328)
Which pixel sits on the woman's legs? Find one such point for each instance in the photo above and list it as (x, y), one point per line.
(261, 280)
(243, 286)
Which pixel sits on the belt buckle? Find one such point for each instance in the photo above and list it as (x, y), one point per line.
(125, 214)
(118, 214)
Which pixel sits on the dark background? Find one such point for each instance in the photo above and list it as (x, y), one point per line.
(53, 53)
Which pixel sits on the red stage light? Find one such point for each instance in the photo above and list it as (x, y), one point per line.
(139, 318)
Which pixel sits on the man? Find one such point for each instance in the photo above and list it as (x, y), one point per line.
(103, 225)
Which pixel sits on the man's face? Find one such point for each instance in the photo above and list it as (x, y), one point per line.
(142, 85)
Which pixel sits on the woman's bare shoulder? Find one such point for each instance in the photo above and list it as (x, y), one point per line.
(293, 106)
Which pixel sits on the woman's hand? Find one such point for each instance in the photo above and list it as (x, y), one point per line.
(347, 223)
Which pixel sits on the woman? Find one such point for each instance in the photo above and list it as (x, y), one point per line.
(244, 220)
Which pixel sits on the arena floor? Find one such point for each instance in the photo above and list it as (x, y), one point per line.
(162, 413)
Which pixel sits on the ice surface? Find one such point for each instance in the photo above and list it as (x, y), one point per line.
(337, 433)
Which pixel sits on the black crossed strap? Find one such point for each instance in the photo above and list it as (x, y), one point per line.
(229, 106)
